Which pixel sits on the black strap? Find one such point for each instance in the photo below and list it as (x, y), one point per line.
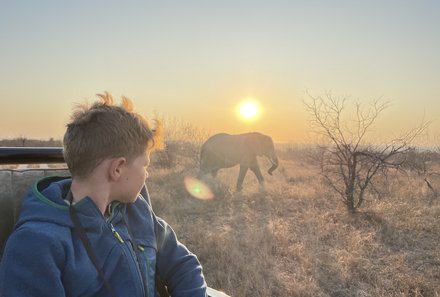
(79, 230)
(161, 287)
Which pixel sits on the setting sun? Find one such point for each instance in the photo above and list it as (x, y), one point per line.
(249, 109)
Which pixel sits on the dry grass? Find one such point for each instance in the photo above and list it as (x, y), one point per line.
(297, 239)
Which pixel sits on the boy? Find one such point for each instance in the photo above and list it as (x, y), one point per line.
(95, 234)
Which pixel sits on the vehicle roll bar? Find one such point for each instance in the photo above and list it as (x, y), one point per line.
(31, 155)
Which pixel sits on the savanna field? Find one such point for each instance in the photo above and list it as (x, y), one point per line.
(297, 238)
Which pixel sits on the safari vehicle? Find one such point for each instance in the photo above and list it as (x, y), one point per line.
(15, 182)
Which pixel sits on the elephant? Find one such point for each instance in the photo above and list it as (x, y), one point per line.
(225, 150)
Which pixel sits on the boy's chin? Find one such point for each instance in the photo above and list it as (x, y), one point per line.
(133, 200)
(129, 200)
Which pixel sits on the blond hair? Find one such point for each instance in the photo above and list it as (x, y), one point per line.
(105, 130)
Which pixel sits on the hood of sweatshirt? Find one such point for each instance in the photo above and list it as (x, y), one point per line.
(45, 202)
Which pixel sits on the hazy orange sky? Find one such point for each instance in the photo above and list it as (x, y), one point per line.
(196, 60)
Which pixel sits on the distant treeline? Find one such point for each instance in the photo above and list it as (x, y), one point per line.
(26, 142)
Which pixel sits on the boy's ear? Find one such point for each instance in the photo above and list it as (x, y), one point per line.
(116, 166)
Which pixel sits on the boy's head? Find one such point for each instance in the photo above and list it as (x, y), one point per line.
(105, 130)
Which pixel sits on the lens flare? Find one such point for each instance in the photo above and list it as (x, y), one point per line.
(197, 188)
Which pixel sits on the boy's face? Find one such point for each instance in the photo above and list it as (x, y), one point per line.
(133, 178)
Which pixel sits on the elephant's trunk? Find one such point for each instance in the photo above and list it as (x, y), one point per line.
(274, 162)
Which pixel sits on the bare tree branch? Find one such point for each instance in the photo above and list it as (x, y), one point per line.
(348, 165)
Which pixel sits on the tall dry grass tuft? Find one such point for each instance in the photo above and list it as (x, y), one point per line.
(297, 239)
(182, 142)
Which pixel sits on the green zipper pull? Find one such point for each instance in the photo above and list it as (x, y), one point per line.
(116, 234)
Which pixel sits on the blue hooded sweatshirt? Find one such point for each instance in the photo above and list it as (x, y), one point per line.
(45, 257)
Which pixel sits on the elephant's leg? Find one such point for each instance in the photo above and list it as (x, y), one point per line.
(256, 170)
(241, 175)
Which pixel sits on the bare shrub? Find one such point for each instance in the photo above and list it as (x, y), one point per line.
(348, 163)
(167, 157)
(182, 141)
(426, 163)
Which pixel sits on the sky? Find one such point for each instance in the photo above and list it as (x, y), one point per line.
(196, 60)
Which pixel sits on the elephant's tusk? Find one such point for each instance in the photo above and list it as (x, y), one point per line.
(273, 161)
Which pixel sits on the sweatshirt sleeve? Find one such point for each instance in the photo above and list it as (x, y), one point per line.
(176, 265)
(31, 265)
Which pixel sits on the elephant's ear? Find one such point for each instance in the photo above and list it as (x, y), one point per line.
(256, 144)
